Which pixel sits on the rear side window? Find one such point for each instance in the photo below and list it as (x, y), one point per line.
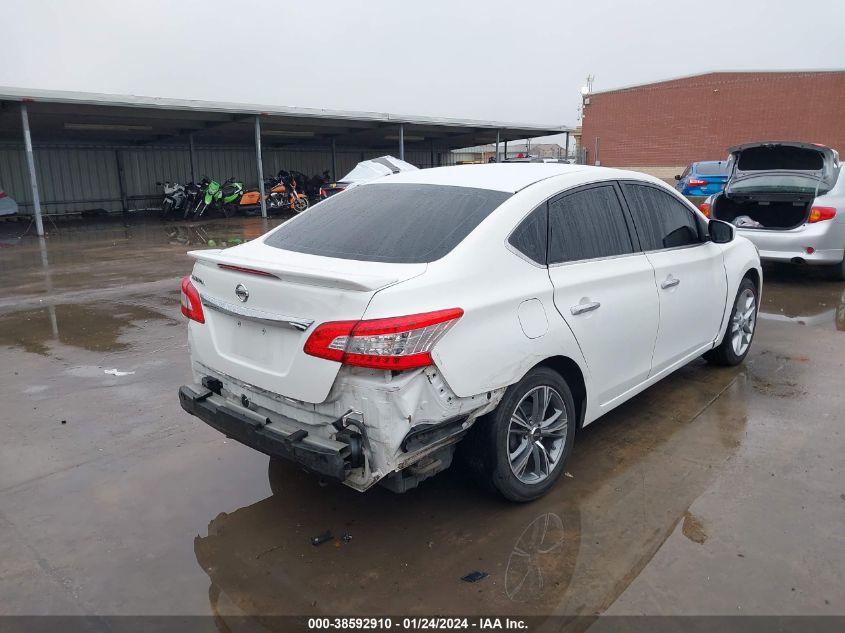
(529, 238)
(401, 223)
(767, 157)
(662, 221)
(587, 224)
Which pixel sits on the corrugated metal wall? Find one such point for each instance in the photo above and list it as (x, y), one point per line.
(72, 179)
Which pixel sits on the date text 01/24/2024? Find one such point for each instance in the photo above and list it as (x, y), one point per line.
(415, 624)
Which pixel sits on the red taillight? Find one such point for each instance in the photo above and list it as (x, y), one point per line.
(323, 193)
(696, 182)
(819, 214)
(191, 304)
(249, 271)
(704, 207)
(2, 194)
(395, 343)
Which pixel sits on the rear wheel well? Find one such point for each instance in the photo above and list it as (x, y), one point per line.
(573, 376)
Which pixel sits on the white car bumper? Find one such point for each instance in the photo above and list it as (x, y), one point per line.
(403, 418)
(820, 243)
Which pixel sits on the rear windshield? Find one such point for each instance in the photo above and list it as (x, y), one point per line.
(779, 183)
(780, 157)
(716, 168)
(389, 222)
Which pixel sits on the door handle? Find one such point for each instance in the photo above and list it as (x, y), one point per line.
(581, 308)
(669, 282)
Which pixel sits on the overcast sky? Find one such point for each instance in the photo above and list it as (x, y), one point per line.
(483, 59)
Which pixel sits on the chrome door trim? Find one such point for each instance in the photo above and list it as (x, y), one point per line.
(252, 314)
(598, 259)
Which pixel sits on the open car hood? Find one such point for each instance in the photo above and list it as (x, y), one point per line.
(781, 169)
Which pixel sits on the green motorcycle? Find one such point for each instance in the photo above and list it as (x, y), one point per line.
(224, 197)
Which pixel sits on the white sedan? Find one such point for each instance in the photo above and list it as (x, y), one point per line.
(502, 307)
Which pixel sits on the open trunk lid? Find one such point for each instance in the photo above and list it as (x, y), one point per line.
(261, 303)
(781, 170)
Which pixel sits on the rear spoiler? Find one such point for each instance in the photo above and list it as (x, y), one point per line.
(343, 280)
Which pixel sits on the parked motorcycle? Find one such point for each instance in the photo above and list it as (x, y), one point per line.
(280, 193)
(174, 198)
(314, 183)
(193, 196)
(224, 198)
(297, 200)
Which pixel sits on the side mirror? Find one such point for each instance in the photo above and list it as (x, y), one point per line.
(677, 176)
(158, 184)
(720, 232)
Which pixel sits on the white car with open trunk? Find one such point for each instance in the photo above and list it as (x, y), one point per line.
(502, 306)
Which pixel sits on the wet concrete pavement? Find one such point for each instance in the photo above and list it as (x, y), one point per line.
(717, 491)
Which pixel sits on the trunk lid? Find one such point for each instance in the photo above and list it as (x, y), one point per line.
(781, 170)
(261, 303)
(714, 184)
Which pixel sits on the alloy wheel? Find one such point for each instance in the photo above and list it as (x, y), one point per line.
(537, 434)
(743, 321)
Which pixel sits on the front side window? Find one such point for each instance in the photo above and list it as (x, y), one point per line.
(400, 223)
(587, 224)
(662, 221)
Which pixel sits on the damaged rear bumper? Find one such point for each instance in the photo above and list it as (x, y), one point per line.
(326, 457)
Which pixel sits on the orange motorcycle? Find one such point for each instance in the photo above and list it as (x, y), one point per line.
(281, 193)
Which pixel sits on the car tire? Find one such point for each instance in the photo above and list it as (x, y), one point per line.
(495, 449)
(741, 328)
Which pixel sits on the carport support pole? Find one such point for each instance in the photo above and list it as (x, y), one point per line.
(567, 146)
(401, 142)
(506, 151)
(497, 146)
(121, 183)
(260, 165)
(30, 163)
(334, 159)
(193, 162)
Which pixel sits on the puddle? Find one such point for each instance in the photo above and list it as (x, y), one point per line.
(636, 473)
(803, 297)
(80, 256)
(86, 326)
(220, 234)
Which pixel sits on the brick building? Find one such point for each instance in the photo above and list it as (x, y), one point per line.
(659, 128)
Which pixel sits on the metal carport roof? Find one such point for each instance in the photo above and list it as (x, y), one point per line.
(80, 117)
(89, 119)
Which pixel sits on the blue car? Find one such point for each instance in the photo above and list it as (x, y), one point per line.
(703, 178)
